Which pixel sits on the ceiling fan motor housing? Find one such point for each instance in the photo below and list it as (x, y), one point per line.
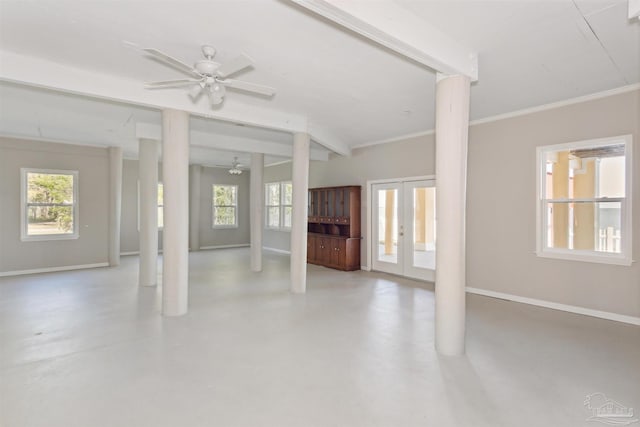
(208, 51)
(206, 67)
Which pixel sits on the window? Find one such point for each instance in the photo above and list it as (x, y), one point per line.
(160, 205)
(278, 197)
(584, 201)
(225, 206)
(49, 204)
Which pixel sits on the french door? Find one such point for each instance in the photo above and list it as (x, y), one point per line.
(404, 228)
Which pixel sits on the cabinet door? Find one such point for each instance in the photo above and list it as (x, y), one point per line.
(323, 251)
(315, 200)
(312, 243)
(347, 202)
(338, 249)
(331, 204)
(339, 202)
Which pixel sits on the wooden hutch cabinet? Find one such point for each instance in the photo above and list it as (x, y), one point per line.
(333, 238)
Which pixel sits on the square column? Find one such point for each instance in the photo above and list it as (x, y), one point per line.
(175, 174)
(148, 181)
(257, 209)
(300, 182)
(195, 174)
(115, 203)
(452, 135)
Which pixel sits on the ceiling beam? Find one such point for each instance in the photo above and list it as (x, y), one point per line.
(400, 30)
(46, 74)
(230, 143)
(634, 9)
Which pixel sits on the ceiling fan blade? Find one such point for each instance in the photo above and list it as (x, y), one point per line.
(249, 87)
(171, 83)
(169, 60)
(235, 65)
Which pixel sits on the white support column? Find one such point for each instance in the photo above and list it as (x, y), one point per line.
(115, 203)
(148, 215)
(300, 181)
(257, 209)
(452, 134)
(195, 173)
(175, 244)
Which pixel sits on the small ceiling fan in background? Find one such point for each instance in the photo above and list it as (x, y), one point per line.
(235, 167)
(208, 76)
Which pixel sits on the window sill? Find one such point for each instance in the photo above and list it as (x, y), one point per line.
(48, 237)
(586, 256)
(287, 230)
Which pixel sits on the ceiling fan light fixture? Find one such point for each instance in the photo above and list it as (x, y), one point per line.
(235, 169)
(215, 99)
(195, 92)
(218, 88)
(216, 94)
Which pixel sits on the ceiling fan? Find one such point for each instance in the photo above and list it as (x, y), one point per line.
(208, 76)
(235, 167)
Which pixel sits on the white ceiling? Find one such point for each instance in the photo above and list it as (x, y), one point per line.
(530, 53)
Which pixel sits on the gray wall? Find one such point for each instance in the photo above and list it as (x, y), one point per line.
(129, 231)
(500, 197)
(501, 214)
(92, 245)
(501, 200)
(277, 239)
(408, 158)
(208, 235)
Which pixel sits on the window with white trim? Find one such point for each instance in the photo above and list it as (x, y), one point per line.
(584, 201)
(278, 199)
(49, 204)
(225, 206)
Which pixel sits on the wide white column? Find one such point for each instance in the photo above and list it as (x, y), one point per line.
(452, 134)
(195, 173)
(175, 244)
(300, 181)
(257, 209)
(115, 203)
(148, 215)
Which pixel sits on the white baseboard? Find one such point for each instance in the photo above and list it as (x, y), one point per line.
(135, 253)
(53, 269)
(202, 248)
(557, 306)
(241, 245)
(365, 268)
(280, 251)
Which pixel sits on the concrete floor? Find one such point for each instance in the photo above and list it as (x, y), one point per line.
(89, 348)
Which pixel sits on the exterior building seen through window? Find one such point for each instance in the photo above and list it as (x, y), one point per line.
(585, 200)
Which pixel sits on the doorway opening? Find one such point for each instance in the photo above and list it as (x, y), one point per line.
(403, 228)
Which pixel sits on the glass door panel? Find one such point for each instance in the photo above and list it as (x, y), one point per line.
(387, 234)
(420, 217)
